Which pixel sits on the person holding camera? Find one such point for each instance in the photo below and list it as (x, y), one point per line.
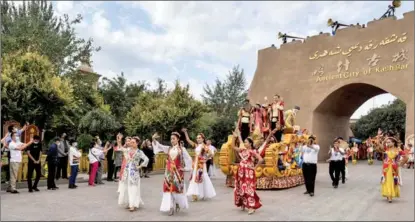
(95, 152)
(310, 157)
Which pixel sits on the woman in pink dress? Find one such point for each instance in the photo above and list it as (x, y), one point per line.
(245, 178)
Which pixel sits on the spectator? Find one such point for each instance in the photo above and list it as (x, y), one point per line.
(74, 157)
(110, 163)
(63, 149)
(148, 151)
(117, 163)
(34, 154)
(53, 162)
(15, 148)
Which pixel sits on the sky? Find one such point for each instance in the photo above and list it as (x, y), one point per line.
(198, 42)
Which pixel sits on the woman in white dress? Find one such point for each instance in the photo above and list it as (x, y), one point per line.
(178, 161)
(200, 186)
(129, 185)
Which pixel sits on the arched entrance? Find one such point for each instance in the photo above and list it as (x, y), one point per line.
(332, 116)
(329, 77)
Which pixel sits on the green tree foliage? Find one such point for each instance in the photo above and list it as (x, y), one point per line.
(164, 114)
(225, 98)
(388, 117)
(33, 26)
(31, 90)
(120, 95)
(99, 122)
(84, 141)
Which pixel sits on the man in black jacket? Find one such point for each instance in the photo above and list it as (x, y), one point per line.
(34, 153)
(52, 159)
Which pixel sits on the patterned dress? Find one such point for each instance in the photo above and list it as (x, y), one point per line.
(178, 161)
(245, 182)
(390, 179)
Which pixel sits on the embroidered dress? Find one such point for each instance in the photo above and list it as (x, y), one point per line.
(174, 190)
(129, 185)
(245, 182)
(390, 179)
(200, 184)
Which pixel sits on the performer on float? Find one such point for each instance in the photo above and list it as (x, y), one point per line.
(265, 120)
(289, 119)
(257, 119)
(200, 186)
(178, 161)
(245, 179)
(369, 145)
(354, 150)
(244, 119)
(129, 185)
(277, 116)
(268, 141)
(390, 180)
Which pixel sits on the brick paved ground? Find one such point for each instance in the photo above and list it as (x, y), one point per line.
(358, 199)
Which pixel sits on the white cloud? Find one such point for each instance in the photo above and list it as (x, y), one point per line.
(199, 39)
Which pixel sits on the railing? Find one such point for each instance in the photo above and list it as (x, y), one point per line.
(159, 164)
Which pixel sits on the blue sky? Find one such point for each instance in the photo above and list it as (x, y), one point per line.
(197, 42)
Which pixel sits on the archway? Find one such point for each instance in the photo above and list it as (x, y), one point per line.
(331, 117)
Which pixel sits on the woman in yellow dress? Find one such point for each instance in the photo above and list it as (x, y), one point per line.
(390, 180)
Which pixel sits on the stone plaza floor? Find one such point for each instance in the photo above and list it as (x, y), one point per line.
(358, 199)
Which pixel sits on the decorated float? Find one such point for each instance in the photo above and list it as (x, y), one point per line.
(282, 160)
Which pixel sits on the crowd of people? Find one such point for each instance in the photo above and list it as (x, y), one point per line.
(130, 159)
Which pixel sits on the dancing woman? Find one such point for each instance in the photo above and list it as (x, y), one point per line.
(129, 185)
(369, 145)
(390, 180)
(245, 179)
(178, 161)
(200, 185)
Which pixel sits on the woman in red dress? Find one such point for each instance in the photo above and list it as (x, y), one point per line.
(245, 179)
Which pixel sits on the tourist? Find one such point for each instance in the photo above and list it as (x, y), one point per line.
(123, 162)
(63, 149)
(95, 152)
(34, 154)
(410, 156)
(130, 194)
(53, 162)
(245, 179)
(335, 163)
(310, 156)
(174, 190)
(390, 181)
(74, 158)
(6, 142)
(110, 162)
(148, 151)
(118, 155)
(101, 158)
(210, 163)
(15, 148)
(200, 186)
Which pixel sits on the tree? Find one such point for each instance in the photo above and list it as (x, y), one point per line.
(33, 26)
(99, 122)
(229, 95)
(388, 117)
(120, 95)
(163, 114)
(31, 90)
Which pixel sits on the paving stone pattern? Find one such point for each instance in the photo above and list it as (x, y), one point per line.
(358, 199)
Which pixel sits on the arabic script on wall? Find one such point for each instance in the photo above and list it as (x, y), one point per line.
(371, 45)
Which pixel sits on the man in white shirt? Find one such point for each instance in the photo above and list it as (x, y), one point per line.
(15, 148)
(74, 157)
(210, 164)
(310, 156)
(336, 163)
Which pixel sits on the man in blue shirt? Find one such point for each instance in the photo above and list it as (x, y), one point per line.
(52, 159)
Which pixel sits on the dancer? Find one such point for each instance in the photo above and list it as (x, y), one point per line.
(130, 193)
(244, 120)
(411, 156)
(211, 161)
(178, 160)
(354, 150)
(245, 179)
(390, 183)
(200, 186)
(310, 154)
(369, 145)
(277, 116)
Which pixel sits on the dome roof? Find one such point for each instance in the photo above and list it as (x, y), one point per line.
(85, 68)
